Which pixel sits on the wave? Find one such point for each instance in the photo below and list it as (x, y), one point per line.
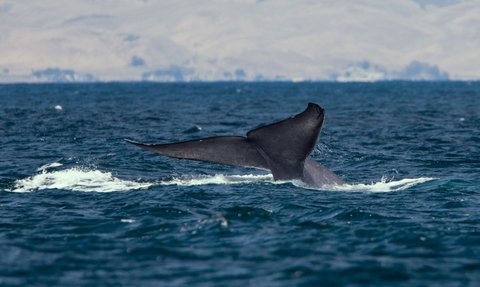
(88, 180)
(49, 165)
(220, 179)
(77, 179)
(382, 186)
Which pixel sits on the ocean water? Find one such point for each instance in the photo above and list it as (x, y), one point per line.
(80, 207)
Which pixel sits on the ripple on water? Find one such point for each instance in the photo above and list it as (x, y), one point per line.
(97, 211)
(247, 213)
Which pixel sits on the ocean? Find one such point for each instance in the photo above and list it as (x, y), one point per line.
(80, 207)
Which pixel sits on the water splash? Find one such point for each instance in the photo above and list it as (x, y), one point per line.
(219, 179)
(382, 186)
(87, 180)
(49, 165)
(77, 179)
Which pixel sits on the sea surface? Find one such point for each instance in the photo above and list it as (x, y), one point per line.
(80, 207)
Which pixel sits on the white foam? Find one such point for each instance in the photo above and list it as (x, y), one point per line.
(127, 220)
(77, 179)
(58, 107)
(219, 179)
(382, 186)
(49, 165)
(81, 179)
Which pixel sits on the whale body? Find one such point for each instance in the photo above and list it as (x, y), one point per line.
(282, 147)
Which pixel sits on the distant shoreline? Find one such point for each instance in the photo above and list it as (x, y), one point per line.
(242, 82)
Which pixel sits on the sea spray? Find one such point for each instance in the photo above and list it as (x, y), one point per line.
(92, 180)
(77, 179)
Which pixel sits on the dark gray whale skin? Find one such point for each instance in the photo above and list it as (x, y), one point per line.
(282, 147)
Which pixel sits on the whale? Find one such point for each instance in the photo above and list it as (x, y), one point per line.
(283, 148)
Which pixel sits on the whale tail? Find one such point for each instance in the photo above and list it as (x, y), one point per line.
(281, 147)
(237, 151)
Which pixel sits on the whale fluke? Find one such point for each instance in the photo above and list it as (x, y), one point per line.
(286, 144)
(237, 151)
(282, 147)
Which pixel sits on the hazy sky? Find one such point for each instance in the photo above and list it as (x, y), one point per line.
(239, 39)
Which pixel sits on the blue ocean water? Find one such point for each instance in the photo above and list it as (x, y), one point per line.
(80, 207)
